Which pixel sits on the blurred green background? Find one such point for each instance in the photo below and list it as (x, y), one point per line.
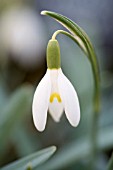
(24, 34)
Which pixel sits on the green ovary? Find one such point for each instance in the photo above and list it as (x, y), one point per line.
(53, 54)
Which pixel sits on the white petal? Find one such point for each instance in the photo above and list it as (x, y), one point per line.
(70, 99)
(41, 102)
(56, 110)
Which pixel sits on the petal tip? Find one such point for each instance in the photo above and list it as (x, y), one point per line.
(40, 128)
(75, 122)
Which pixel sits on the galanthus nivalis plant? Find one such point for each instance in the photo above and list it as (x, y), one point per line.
(55, 93)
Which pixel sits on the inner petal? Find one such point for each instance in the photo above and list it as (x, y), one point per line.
(55, 101)
(56, 109)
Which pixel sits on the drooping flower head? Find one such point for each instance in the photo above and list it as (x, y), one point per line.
(55, 93)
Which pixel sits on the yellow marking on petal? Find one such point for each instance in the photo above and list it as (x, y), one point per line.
(55, 95)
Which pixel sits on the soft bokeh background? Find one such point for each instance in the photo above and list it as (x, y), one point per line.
(24, 34)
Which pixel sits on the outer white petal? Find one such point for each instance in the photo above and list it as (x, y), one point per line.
(41, 102)
(56, 110)
(70, 99)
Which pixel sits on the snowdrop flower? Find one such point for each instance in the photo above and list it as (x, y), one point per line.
(55, 93)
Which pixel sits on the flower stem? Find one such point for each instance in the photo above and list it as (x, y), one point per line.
(73, 37)
(94, 130)
(94, 135)
(56, 33)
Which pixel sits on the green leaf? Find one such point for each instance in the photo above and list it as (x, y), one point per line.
(31, 161)
(83, 41)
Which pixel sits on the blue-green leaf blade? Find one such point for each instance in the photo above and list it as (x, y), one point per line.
(31, 161)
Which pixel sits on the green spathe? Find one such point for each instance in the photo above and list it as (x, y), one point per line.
(53, 54)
